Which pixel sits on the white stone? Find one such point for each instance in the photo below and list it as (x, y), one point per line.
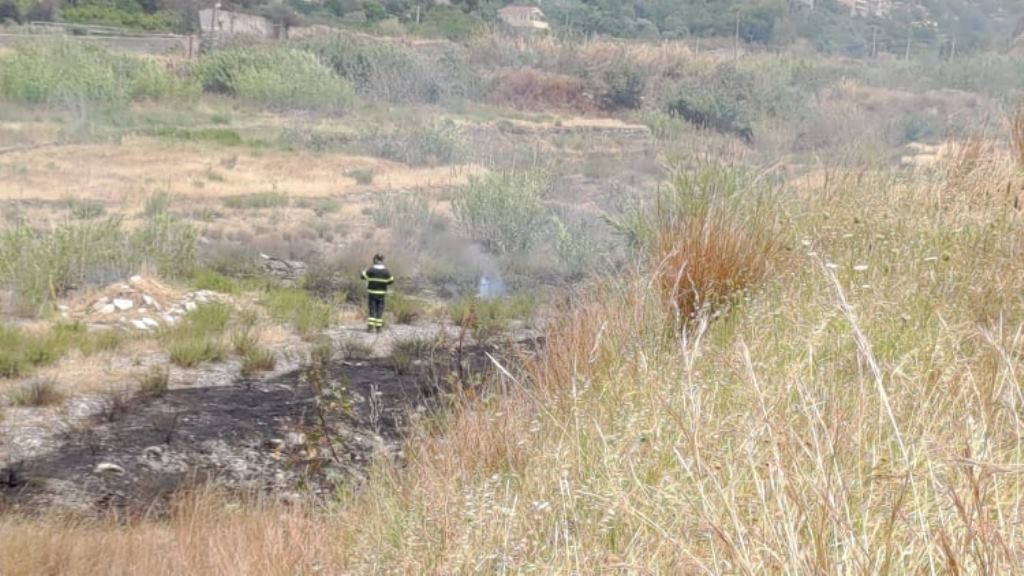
(150, 322)
(139, 325)
(108, 468)
(190, 306)
(108, 309)
(148, 300)
(62, 308)
(168, 319)
(123, 304)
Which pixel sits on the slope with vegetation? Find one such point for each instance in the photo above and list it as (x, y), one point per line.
(771, 347)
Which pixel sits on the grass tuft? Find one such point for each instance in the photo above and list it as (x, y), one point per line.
(307, 314)
(199, 337)
(256, 200)
(41, 392)
(155, 382)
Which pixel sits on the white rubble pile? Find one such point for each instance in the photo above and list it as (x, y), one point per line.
(131, 306)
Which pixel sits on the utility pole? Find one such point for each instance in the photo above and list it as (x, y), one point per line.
(910, 35)
(874, 42)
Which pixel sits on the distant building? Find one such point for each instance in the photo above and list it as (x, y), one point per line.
(523, 18)
(223, 22)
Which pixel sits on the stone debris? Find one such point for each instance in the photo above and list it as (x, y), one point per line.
(108, 468)
(143, 305)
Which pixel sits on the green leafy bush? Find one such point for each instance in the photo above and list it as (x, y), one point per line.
(57, 71)
(275, 77)
(504, 211)
(307, 314)
(256, 200)
(21, 351)
(40, 266)
(199, 337)
(415, 143)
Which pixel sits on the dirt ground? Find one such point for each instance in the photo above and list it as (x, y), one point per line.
(131, 454)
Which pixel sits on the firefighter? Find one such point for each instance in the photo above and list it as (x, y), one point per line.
(378, 278)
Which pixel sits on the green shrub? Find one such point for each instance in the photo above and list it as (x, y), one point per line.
(43, 392)
(199, 337)
(58, 71)
(39, 266)
(415, 143)
(320, 205)
(155, 382)
(256, 200)
(308, 315)
(489, 317)
(207, 279)
(362, 177)
(504, 211)
(256, 360)
(276, 77)
(405, 309)
(108, 15)
(406, 211)
(221, 136)
(157, 204)
(21, 351)
(86, 209)
(395, 74)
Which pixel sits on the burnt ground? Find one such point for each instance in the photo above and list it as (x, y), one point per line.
(275, 436)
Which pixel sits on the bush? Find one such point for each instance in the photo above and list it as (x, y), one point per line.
(40, 266)
(390, 73)
(715, 238)
(199, 337)
(155, 382)
(9, 11)
(207, 279)
(305, 313)
(86, 209)
(221, 136)
(528, 88)
(59, 71)
(407, 211)
(489, 317)
(405, 309)
(256, 200)
(43, 392)
(362, 177)
(21, 351)
(621, 86)
(275, 77)
(415, 143)
(504, 211)
(98, 14)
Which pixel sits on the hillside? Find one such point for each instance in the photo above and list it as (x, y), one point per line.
(658, 308)
(849, 27)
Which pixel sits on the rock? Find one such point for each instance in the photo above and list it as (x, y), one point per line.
(264, 256)
(154, 453)
(274, 444)
(108, 309)
(108, 468)
(169, 320)
(190, 306)
(293, 440)
(149, 300)
(62, 308)
(135, 279)
(123, 304)
(139, 325)
(150, 322)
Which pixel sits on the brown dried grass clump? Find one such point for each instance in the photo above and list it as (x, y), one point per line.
(531, 88)
(708, 258)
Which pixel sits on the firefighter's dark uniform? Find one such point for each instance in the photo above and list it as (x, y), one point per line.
(378, 278)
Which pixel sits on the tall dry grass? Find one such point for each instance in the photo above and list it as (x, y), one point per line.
(858, 413)
(1017, 133)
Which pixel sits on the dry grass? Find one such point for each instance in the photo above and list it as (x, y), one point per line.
(859, 413)
(118, 173)
(1017, 133)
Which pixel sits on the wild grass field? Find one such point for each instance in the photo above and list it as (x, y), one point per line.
(775, 307)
